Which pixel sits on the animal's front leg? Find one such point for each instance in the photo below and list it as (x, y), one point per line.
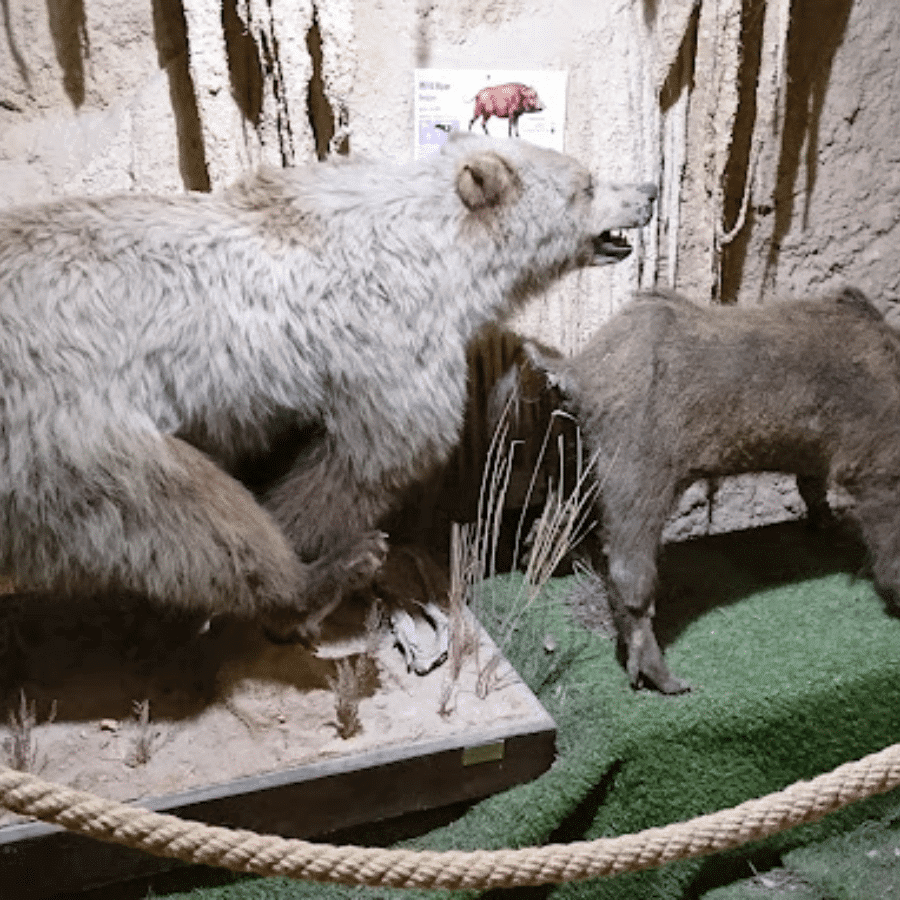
(329, 521)
(643, 658)
(632, 575)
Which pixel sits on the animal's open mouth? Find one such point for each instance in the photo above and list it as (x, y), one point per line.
(610, 246)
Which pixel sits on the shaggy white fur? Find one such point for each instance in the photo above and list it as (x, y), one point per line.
(148, 342)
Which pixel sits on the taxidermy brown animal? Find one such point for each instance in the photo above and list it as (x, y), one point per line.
(147, 344)
(668, 391)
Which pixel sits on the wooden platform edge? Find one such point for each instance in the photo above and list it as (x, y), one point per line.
(39, 860)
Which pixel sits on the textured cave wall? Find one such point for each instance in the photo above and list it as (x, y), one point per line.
(771, 126)
(165, 95)
(94, 97)
(789, 183)
(828, 210)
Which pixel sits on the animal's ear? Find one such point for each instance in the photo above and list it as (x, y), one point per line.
(485, 180)
(552, 369)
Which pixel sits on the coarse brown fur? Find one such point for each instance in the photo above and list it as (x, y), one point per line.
(668, 391)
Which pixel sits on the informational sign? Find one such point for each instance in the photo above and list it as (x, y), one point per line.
(530, 104)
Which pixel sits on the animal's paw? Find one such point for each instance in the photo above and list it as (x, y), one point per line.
(291, 628)
(350, 567)
(363, 560)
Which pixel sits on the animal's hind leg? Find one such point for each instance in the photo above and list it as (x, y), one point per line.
(877, 514)
(149, 514)
(306, 590)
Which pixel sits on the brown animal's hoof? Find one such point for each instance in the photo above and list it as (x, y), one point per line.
(666, 684)
(674, 685)
(645, 664)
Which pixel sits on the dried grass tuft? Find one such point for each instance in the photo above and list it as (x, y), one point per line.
(564, 521)
(356, 677)
(144, 740)
(462, 638)
(21, 747)
(346, 687)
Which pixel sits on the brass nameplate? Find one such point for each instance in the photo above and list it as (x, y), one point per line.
(472, 756)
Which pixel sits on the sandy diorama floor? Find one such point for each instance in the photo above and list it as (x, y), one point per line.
(128, 704)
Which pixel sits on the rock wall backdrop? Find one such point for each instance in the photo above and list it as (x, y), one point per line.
(771, 126)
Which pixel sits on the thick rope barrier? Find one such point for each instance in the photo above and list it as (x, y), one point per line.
(245, 851)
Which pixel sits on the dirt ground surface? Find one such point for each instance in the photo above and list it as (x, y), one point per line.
(128, 705)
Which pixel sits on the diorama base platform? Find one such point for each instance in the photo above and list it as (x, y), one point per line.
(230, 729)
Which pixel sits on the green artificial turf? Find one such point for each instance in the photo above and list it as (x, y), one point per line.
(863, 864)
(796, 668)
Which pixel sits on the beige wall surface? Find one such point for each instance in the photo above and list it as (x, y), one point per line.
(787, 106)
(771, 126)
(826, 206)
(86, 95)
